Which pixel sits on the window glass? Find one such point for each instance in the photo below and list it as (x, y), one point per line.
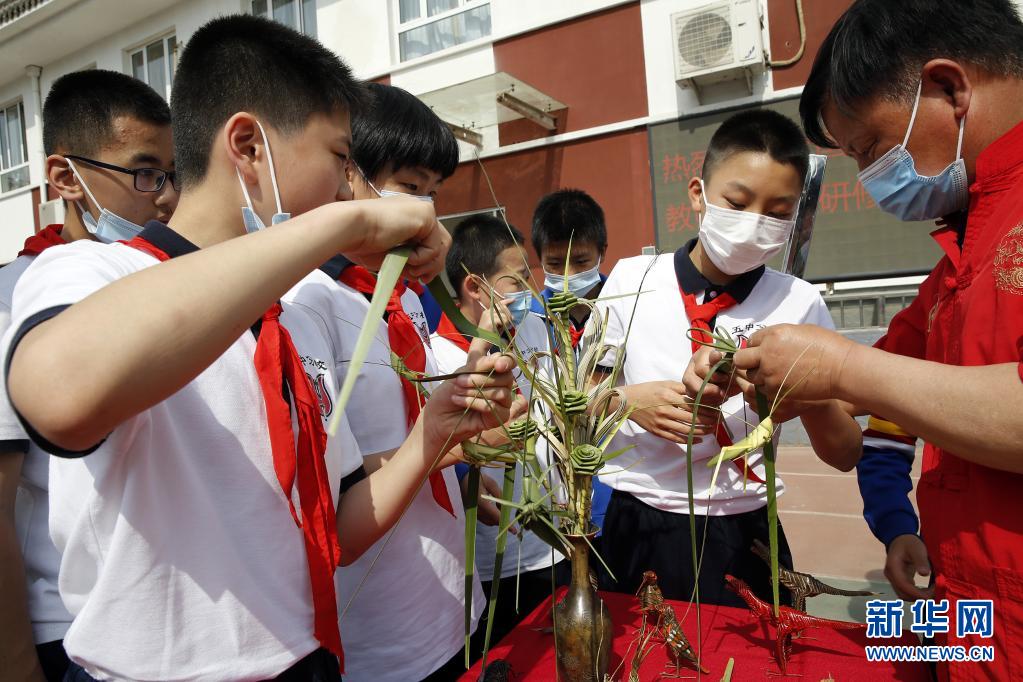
(444, 33)
(155, 67)
(309, 17)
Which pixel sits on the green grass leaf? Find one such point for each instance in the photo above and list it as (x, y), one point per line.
(390, 271)
(764, 411)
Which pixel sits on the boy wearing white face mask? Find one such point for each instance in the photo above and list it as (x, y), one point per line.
(752, 179)
(487, 266)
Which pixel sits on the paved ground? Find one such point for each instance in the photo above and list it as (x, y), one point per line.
(822, 514)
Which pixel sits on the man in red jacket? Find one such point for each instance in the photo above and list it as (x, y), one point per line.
(927, 96)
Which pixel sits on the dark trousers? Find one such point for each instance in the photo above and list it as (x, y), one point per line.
(53, 660)
(638, 538)
(319, 666)
(533, 588)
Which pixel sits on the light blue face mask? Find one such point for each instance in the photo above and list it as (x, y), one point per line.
(579, 283)
(253, 223)
(383, 193)
(519, 305)
(898, 189)
(110, 227)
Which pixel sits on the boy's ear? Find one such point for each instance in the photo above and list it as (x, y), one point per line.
(472, 289)
(62, 179)
(243, 144)
(696, 198)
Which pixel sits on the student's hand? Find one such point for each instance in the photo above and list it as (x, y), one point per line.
(786, 409)
(469, 404)
(803, 361)
(397, 221)
(497, 318)
(663, 409)
(720, 388)
(907, 558)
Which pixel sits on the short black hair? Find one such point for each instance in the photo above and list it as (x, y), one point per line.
(878, 48)
(568, 214)
(758, 130)
(248, 63)
(397, 130)
(81, 106)
(475, 245)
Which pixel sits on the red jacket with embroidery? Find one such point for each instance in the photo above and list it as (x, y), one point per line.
(971, 516)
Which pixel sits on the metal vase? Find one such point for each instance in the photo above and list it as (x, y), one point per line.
(582, 624)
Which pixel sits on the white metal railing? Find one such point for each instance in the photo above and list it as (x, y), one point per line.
(12, 10)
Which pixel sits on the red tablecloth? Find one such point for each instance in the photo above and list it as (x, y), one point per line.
(728, 633)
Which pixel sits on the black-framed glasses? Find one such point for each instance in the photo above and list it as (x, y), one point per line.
(146, 179)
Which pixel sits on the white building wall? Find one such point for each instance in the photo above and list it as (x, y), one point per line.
(106, 51)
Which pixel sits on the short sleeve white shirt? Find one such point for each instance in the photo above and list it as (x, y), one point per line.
(50, 620)
(179, 556)
(525, 551)
(403, 599)
(657, 349)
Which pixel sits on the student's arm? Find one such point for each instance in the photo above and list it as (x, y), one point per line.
(834, 435)
(973, 412)
(17, 647)
(454, 412)
(167, 323)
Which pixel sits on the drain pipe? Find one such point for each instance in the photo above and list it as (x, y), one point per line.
(34, 72)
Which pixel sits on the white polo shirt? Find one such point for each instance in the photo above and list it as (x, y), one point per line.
(179, 556)
(525, 551)
(657, 349)
(50, 620)
(406, 619)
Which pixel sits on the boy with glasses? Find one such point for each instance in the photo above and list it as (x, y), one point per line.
(111, 119)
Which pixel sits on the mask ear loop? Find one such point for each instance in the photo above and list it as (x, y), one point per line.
(81, 180)
(245, 190)
(273, 173)
(912, 117)
(959, 145)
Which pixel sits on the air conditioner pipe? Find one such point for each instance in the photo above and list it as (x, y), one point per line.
(802, 40)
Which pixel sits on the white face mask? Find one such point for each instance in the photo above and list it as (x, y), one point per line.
(580, 283)
(384, 193)
(740, 241)
(110, 227)
(253, 222)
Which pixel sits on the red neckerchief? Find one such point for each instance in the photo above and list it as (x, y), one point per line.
(406, 343)
(700, 317)
(277, 362)
(42, 240)
(447, 329)
(576, 333)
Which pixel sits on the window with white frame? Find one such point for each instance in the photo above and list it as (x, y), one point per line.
(427, 26)
(154, 64)
(298, 14)
(13, 148)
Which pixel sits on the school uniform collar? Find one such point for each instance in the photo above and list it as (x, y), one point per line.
(167, 240)
(335, 266)
(692, 280)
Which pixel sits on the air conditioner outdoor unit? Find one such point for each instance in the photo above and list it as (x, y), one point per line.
(51, 212)
(718, 42)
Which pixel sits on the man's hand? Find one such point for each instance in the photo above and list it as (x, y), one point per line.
(907, 558)
(664, 409)
(471, 403)
(804, 361)
(397, 221)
